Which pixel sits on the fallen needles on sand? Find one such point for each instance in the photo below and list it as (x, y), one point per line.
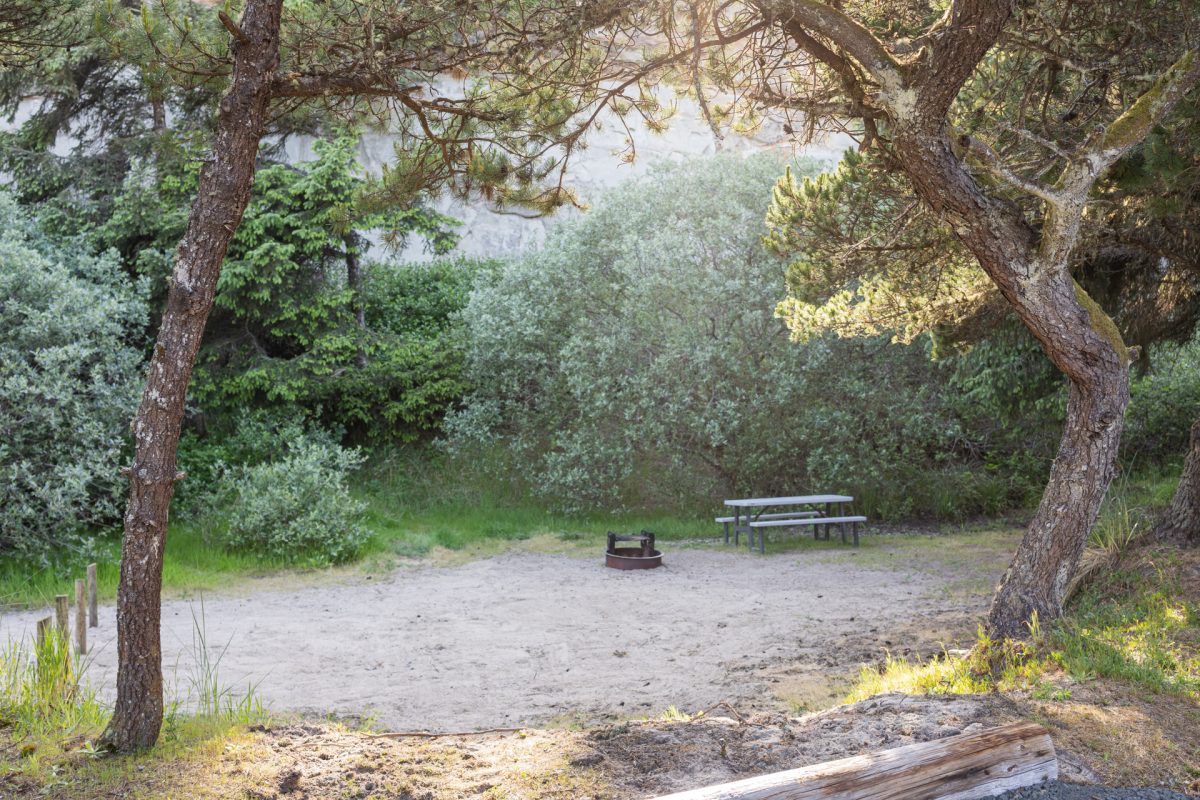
(431, 735)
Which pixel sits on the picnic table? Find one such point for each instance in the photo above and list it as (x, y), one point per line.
(750, 516)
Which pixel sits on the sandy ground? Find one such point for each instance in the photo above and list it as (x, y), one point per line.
(531, 638)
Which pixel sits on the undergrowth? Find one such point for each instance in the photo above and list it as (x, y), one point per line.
(1135, 624)
(51, 719)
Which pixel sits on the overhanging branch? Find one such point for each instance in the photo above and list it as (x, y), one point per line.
(858, 42)
(987, 157)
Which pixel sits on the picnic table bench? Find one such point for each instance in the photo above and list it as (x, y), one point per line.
(814, 510)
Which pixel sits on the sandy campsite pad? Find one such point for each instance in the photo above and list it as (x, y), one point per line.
(524, 638)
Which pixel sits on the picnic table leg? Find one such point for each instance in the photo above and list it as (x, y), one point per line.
(737, 531)
(726, 524)
(842, 525)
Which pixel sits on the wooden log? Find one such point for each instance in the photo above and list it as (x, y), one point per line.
(61, 615)
(970, 765)
(80, 618)
(93, 611)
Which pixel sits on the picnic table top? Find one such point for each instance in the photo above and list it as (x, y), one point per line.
(800, 500)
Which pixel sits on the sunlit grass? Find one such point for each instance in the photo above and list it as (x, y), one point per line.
(1136, 627)
(989, 665)
(53, 719)
(1133, 625)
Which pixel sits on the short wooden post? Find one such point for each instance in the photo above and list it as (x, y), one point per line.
(61, 615)
(80, 618)
(43, 629)
(93, 612)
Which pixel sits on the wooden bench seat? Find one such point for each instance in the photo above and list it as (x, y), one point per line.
(726, 521)
(780, 515)
(795, 521)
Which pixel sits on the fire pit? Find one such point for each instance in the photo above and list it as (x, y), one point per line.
(642, 557)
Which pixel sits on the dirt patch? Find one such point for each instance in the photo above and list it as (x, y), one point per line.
(1120, 737)
(633, 759)
(526, 637)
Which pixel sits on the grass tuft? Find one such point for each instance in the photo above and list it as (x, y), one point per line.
(1136, 624)
(41, 692)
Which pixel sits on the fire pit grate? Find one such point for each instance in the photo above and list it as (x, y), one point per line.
(644, 556)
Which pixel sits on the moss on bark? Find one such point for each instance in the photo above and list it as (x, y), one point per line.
(1102, 323)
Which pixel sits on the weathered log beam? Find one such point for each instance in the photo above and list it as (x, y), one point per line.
(970, 765)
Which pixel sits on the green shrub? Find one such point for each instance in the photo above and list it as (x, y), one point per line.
(273, 485)
(296, 508)
(420, 300)
(70, 370)
(1163, 406)
(636, 361)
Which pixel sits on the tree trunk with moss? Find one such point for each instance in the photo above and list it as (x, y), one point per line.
(1181, 523)
(1078, 337)
(222, 194)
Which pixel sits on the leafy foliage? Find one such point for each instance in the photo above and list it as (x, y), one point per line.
(285, 493)
(636, 361)
(866, 258)
(1163, 407)
(294, 326)
(71, 326)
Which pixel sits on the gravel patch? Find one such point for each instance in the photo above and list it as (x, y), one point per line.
(1056, 790)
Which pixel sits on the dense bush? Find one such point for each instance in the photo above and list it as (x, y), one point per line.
(1163, 406)
(71, 326)
(636, 360)
(284, 493)
(285, 332)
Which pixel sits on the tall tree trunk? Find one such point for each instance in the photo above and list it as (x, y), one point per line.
(1078, 337)
(1049, 553)
(1181, 523)
(222, 194)
(354, 282)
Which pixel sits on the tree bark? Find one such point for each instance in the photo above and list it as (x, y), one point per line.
(354, 283)
(1034, 277)
(1181, 523)
(222, 194)
(1041, 570)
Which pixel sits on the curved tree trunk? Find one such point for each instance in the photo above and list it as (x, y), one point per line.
(912, 89)
(1080, 339)
(222, 194)
(1037, 579)
(1181, 523)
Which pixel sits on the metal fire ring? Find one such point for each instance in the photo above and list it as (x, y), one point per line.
(642, 557)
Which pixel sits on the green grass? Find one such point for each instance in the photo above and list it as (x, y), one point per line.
(52, 718)
(41, 693)
(190, 565)
(414, 505)
(418, 501)
(1136, 625)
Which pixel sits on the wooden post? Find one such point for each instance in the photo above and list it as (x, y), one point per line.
(43, 628)
(93, 612)
(969, 765)
(61, 615)
(80, 618)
